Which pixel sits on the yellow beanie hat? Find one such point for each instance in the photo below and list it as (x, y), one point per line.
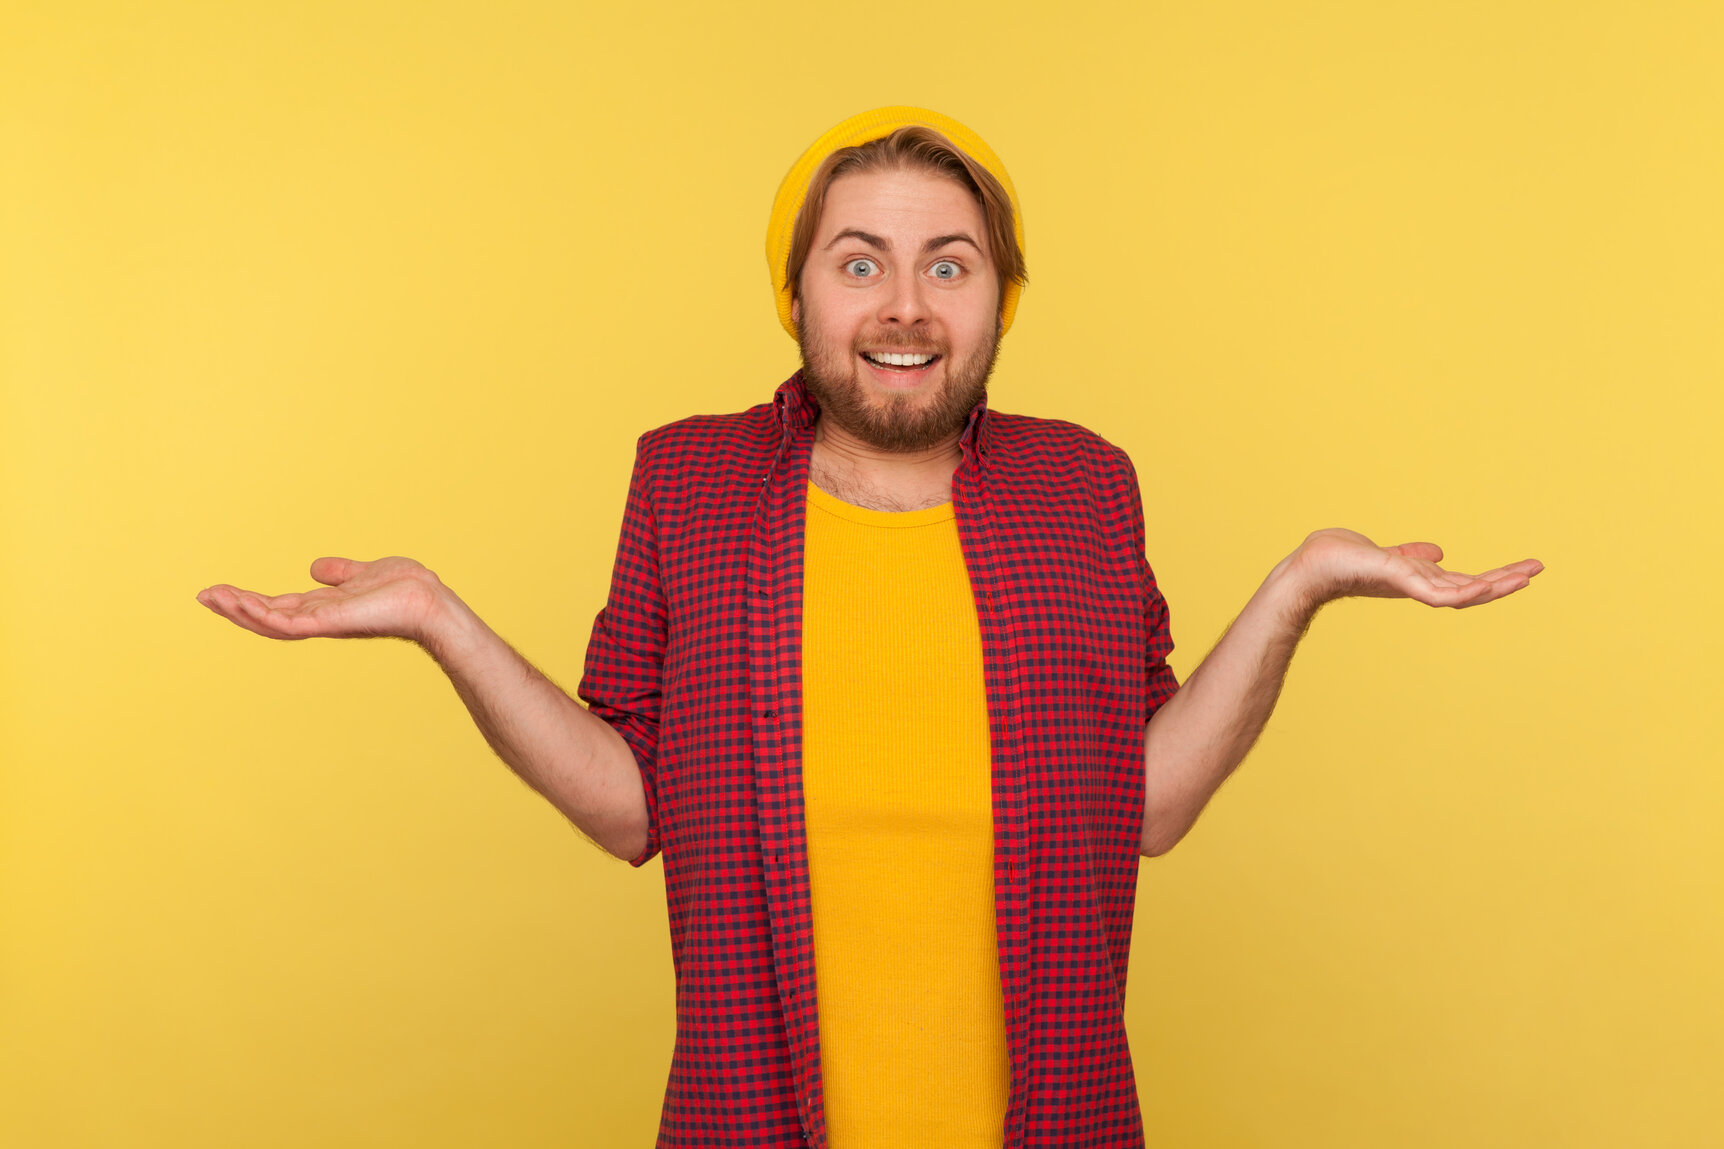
(860, 129)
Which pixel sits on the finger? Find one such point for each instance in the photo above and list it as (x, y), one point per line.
(333, 571)
(1500, 589)
(1467, 594)
(1442, 577)
(1522, 570)
(1434, 586)
(1438, 576)
(291, 603)
(229, 602)
(272, 622)
(1480, 590)
(221, 598)
(288, 603)
(1526, 568)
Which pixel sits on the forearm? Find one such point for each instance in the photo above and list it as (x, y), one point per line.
(574, 759)
(1204, 731)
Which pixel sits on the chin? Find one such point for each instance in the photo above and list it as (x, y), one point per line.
(893, 420)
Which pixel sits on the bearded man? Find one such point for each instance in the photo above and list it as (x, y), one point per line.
(883, 676)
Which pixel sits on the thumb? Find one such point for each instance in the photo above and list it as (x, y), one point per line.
(332, 571)
(1431, 552)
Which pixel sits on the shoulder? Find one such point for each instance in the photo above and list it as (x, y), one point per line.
(1032, 443)
(701, 469)
(1051, 471)
(709, 444)
(714, 434)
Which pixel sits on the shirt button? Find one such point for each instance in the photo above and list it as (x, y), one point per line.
(772, 713)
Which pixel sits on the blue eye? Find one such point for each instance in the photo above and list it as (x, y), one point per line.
(860, 268)
(946, 269)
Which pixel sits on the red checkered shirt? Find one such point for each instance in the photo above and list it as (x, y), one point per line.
(696, 661)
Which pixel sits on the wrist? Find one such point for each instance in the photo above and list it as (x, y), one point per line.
(1295, 590)
(449, 629)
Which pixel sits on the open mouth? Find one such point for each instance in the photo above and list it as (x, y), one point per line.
(906, 362)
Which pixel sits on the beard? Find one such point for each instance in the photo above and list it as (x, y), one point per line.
(900, 424)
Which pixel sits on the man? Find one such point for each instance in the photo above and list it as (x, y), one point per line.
(883, 675)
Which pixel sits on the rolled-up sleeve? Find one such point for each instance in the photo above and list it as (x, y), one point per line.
(621, 682)
(1158, 679)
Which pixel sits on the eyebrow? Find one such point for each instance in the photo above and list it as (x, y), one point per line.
(880, 244)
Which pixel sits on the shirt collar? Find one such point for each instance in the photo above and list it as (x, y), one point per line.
(797, 411)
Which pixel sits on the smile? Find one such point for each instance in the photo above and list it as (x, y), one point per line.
(903, 361)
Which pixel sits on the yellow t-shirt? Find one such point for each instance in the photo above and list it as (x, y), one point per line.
(897, 788)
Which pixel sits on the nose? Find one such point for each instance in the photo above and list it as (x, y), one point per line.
(905, 303)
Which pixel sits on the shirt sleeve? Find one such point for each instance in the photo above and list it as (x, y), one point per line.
(621, 681)
(1159, 681)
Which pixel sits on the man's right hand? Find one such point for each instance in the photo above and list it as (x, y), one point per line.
(393, 597)
(569, 755)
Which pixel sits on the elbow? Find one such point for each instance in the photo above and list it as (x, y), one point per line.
(633, 841)
(627, 845)
(624, 836)
(633, 848)
(1155, 848)
(1160, 835)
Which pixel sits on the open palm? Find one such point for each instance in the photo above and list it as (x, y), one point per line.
(1337, 563)
(391, 597)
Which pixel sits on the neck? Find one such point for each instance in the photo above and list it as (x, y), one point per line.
(862, 475)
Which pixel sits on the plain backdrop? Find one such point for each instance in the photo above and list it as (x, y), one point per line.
(279, 281)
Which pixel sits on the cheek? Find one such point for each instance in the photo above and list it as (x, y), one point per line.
(835, 323)
(975, 329)
(972, 317)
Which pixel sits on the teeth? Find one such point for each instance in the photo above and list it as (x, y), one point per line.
(895, 360)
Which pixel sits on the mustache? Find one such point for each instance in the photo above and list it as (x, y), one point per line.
(903, 342)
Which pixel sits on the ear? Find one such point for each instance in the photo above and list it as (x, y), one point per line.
(796, 312)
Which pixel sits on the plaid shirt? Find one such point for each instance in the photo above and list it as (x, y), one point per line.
(696, 661)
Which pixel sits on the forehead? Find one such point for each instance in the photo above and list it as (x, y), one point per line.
(906, 207)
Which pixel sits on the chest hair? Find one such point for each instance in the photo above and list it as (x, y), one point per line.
(858, 492)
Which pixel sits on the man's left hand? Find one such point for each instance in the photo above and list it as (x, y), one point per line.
(1338, 563)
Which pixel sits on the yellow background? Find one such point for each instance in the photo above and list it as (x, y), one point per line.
(282, 280)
